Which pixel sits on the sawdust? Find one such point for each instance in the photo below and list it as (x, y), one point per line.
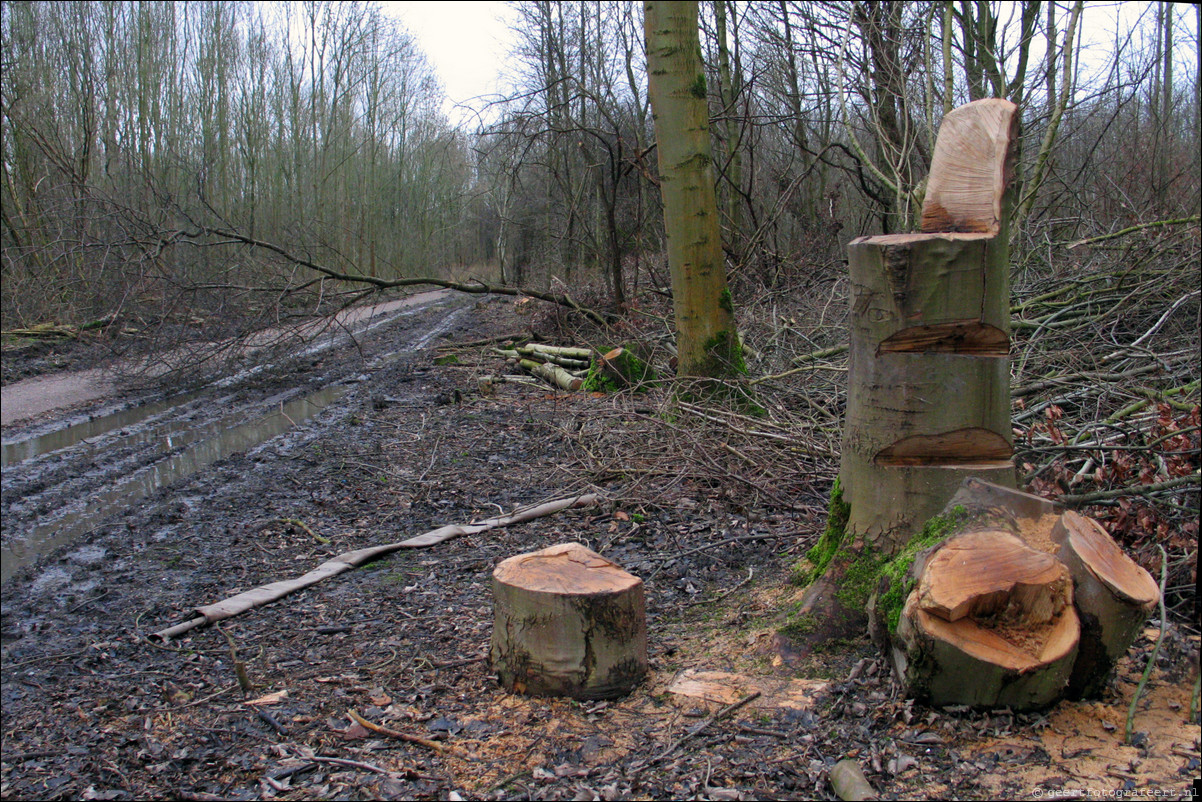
(1080, 753)
(1037, 532)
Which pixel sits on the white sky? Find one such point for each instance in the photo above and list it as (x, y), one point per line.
(467, 44)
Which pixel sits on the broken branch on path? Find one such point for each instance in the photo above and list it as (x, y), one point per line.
(235, 605)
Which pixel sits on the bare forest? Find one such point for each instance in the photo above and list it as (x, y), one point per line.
(179, 176)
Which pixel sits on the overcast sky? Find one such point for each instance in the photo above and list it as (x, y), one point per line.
(467, 43)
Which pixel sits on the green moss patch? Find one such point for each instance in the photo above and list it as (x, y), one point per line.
(820, 556)
(897, 569)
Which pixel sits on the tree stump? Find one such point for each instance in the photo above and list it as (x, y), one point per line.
(993, 622)
(1015, 605)
(1114, 596)
(568, 622)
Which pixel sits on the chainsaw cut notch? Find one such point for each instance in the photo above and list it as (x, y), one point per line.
(965, 337)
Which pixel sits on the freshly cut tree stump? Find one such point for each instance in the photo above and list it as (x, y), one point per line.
(568, 622)
(1114, 596)
(991, 623)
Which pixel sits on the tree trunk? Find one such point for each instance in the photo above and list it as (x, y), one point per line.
(707, 344)
(929, 383)
(568, 622)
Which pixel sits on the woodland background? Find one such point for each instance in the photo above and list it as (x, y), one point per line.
(171, 171)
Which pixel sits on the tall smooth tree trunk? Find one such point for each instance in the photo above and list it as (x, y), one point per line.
(706, 340)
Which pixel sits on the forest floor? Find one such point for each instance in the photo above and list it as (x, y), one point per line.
(94, 709)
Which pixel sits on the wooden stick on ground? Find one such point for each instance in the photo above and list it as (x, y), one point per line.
(257, 597)
(443, 749)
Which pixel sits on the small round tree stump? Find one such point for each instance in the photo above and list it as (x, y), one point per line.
(568, 622)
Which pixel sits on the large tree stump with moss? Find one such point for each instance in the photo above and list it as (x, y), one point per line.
(928, 371)
(568, 622)
(999, 603)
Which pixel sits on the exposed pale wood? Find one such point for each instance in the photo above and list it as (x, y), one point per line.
(968, 337)
(993, 573)
(722, 687)
(966, 663)
(849, 783)
(568, 622)
(971, 168)
(1114, 595)
(965, 446)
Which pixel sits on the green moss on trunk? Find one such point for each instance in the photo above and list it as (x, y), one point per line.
(820, 556)
(889, 604)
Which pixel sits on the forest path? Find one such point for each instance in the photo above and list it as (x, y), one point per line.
(42, 395)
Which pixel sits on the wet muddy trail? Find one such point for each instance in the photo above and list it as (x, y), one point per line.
(68, 474)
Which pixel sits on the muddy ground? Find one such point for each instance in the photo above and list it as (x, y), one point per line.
(93, 709)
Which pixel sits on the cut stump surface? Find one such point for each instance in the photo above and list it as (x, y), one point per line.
(568, 622)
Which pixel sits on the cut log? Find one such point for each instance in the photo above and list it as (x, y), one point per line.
(568, 622)
(552, 373)
(569, 352)
(849, 783)
(1114, 596)
(991, 623)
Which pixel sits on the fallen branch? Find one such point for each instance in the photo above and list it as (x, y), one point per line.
(1138, 490)
(723, 713)
(1132, 230)
(474, 287)
(257, 597)
(442, 749)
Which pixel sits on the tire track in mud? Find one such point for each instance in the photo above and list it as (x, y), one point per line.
(49, 500)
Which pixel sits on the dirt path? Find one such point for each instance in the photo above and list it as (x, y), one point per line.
(42, 395)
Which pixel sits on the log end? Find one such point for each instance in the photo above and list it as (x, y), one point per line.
(990, 623)
(568, 622)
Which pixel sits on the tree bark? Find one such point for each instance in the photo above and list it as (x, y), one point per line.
(1114, 595)
(707, 343)
(568, 622)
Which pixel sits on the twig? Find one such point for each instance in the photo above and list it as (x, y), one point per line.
(404, 736)
(726, 711)
(299, 524)
(1139, 689)
(350, 764)
(1132, 230)
(1141, 490)
(726, 592)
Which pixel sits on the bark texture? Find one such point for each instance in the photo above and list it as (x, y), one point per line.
(568, 622)
(706, 340)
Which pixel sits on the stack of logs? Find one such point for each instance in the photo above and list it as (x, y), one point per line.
(568, 367)
(1021, 606)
